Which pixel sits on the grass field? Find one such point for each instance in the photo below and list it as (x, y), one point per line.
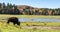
(28, 16)
(4, 27)
(11, 28)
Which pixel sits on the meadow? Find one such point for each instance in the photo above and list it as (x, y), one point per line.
(4, 27)
(28, 16)
(11, 28)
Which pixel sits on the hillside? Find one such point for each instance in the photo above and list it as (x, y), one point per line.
(27, 10)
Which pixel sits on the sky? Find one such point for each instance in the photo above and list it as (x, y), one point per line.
(35, 3)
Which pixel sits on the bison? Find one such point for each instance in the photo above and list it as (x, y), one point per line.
(14, 20)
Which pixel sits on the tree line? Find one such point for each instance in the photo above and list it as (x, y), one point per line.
(8, 9)
(13, 9)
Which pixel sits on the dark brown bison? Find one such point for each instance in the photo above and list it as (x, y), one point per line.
(14, 20)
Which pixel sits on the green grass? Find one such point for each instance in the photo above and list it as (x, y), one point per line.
(41, 23)
(28, 16)
(11, 28)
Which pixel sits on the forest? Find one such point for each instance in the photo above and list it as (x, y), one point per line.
(27, 10)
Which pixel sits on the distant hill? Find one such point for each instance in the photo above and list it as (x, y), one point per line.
(24, 7)
(29, 10)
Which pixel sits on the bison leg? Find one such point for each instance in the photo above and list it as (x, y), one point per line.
(14, 23)
(8, 22)
(18, 23)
